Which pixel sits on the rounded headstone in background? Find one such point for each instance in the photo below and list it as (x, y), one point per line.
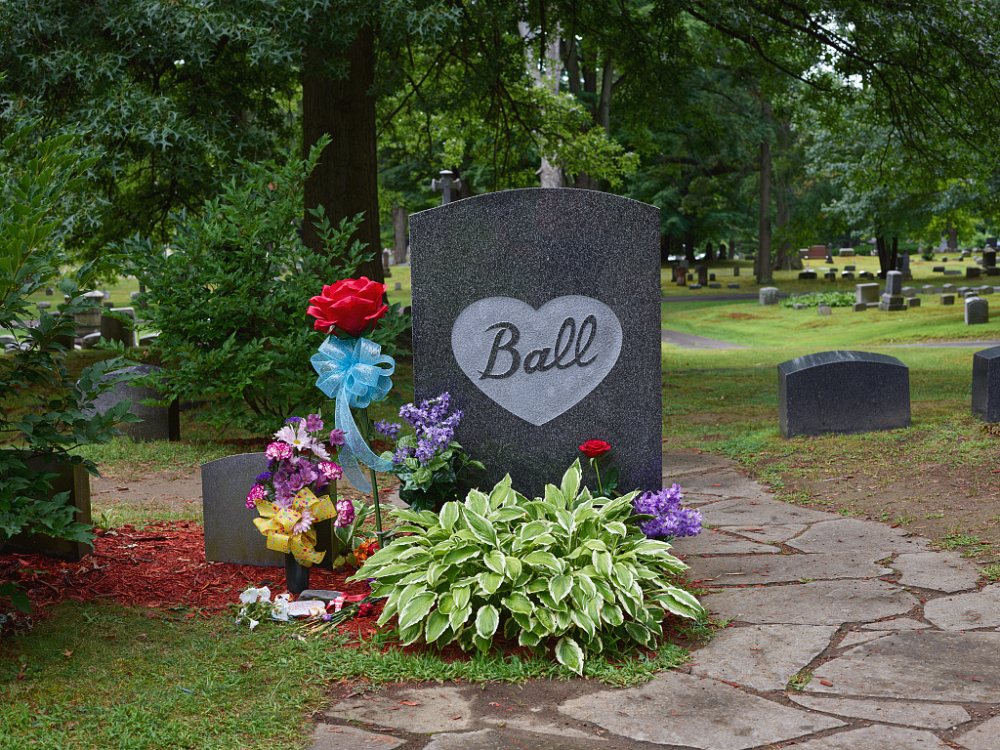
(842, 391)
(158, 422)
(768, 295)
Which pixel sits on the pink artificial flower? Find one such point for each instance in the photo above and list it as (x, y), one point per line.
(337, 438)
(345, 512)
(314, 423)
(278, 451)
(257, 492)
(296, 435)
(304, 523)
(331, 470)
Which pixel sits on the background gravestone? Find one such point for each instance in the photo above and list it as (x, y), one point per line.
(158, 422)
(977, 311)
(75, 480)
(842, 391)
(539, 311)
(230, 534)
(986, 384)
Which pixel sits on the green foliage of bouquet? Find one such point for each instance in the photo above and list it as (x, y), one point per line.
(568, 570)
(227, 293)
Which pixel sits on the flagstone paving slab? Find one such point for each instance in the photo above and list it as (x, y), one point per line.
(419, 710)
(680, 709)
(897, 623)
(776, 533)
(683, 463)
(711, 542)
(735, 571)
(983, 737)
(875, 738)
(940, 571)
(499, 739)
(765, 512)
(762, 657)
(819, 603)
(858, 637)
(872, 539)
(926, 715)
(337, 737)
(914, 665)
(966, 611)
(719, 484)
(541, 726)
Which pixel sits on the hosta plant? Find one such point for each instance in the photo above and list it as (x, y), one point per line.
(568, 571)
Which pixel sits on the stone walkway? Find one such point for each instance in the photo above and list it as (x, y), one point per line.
(845, 635)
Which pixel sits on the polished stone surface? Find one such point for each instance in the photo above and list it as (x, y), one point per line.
(574, 267)
(842, 391)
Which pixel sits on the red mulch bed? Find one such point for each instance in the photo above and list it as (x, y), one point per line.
(161, 566)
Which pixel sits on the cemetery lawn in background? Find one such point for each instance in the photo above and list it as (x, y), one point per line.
(95, 675)
(937, 478)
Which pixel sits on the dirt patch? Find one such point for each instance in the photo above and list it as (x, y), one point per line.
(742, 316)
(936, 501)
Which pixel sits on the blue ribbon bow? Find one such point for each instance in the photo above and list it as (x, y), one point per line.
(356, 374)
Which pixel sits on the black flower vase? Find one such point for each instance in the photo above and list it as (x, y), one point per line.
(296, 575)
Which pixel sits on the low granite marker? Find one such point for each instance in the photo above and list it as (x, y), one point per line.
(842, 391)
(539, 311)
(986, 384)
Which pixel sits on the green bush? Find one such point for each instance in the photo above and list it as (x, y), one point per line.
(815, 299)
(229, 298)
(568, 570)
(44, 410)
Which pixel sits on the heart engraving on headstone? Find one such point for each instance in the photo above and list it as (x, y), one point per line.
(537, 364)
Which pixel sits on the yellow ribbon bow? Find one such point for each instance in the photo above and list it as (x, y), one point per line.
(278, 525)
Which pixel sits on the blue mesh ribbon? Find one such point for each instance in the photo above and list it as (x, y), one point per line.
(356, 374)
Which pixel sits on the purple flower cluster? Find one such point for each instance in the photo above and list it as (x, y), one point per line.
(669, 518)
(434, 428)
(387, 428)
(298, 459)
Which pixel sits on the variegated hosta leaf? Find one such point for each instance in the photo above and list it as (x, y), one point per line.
(566, 571)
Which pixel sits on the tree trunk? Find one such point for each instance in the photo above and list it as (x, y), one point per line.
(546, 72)
(689, 248)
(763, 264)
(953, 238)
(345, 181)
(709, 252)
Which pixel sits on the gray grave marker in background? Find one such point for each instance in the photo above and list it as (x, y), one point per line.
(230, 533)
(539, 311)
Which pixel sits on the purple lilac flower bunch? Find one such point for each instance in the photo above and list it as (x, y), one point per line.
(389, 429)
(434, 429)
(669, 518)
(298, 458)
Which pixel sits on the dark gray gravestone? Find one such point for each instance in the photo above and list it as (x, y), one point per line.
(158, 422)
(75, 480)
(986, 384)
(977, 311)
(842, 391)
(230, 534)
(539, 311)
(117, 329)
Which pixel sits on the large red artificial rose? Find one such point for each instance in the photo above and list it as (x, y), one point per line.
(595, 448)
(351, 307)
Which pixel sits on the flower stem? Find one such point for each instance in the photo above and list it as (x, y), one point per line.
(378, 508)
(597, 471)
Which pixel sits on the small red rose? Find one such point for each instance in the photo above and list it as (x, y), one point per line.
(595, 448)
(350, 307)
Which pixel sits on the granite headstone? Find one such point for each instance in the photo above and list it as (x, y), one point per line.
(977, 311)
(71, 478)
(539, 311)
(842, 391)
(230, 534)
(986, 384)
(768, 295)
(158, 422)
